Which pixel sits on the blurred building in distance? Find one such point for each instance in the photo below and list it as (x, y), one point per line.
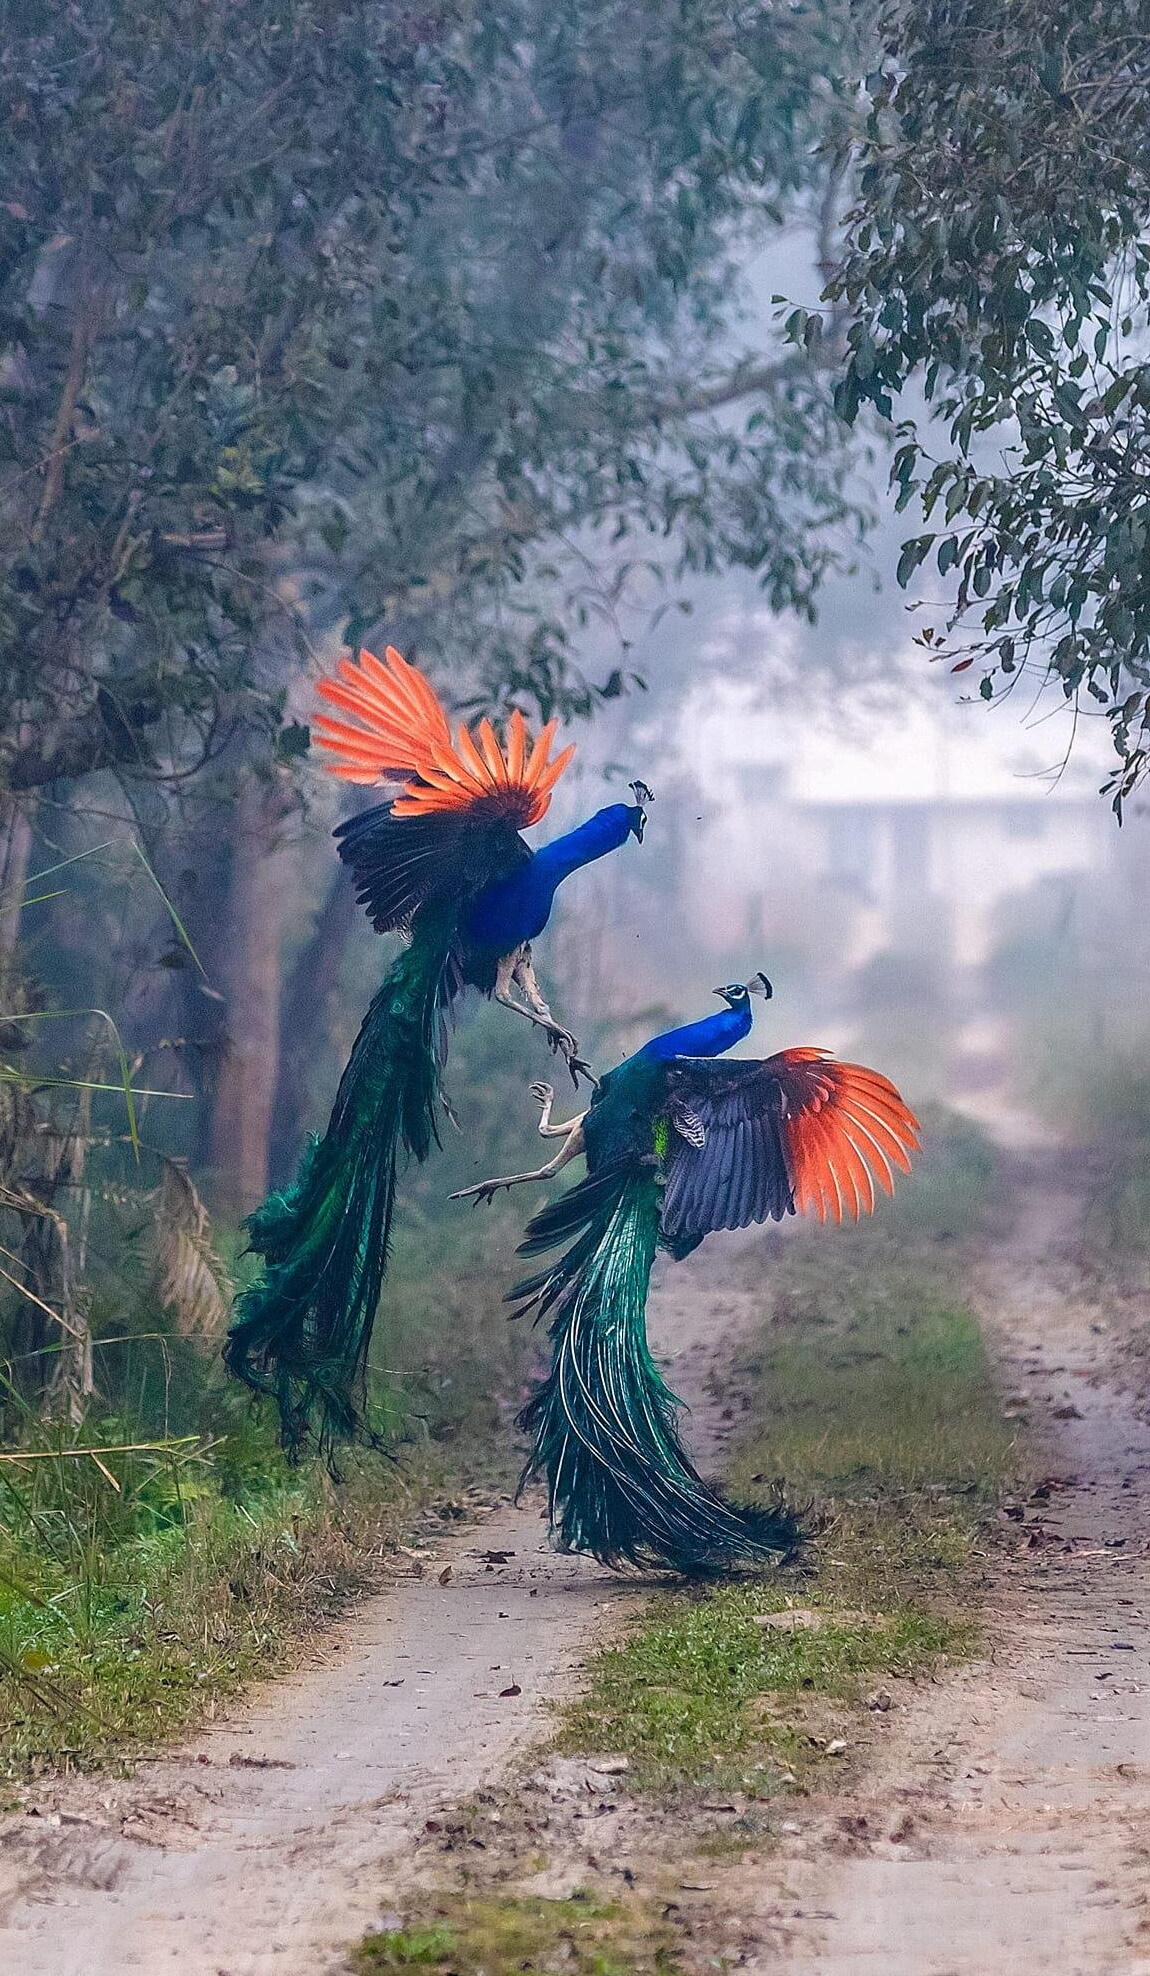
(905, 828)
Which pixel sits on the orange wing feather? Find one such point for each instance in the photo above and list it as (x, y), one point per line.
(844, 1127)
(402, 733)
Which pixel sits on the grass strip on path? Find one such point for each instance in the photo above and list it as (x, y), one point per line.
(491, 1934)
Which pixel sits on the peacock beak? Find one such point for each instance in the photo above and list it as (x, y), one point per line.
(642, 796)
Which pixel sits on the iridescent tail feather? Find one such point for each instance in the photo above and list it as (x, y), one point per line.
(621, 1485)
(303, 1329)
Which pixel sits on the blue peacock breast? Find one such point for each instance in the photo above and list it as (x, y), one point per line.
(507, 914)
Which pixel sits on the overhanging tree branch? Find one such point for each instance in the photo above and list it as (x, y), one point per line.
(107, 735)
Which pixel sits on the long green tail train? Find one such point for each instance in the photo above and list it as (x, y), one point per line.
(304, 1327)
(620, 1483)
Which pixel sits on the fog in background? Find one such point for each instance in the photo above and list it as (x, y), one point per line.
(931, 882)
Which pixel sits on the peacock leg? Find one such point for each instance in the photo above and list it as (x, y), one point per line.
(546, 1096)
(486, 1190)
(526, 979)
(516, 969)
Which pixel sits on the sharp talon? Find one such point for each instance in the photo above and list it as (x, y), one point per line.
(542, 1092)
(483, 1191)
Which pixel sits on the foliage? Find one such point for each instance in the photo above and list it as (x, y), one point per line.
(133, 1593)
(316, 312)
(158, 1554)
(154, 1552)
(997, 258)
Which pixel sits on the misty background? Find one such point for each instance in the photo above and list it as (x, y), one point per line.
(534, 418)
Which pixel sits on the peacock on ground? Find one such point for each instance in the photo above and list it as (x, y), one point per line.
(677, 1145)
(444, 863)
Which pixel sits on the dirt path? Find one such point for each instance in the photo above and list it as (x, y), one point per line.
(262, 1848)
(1009, 1830)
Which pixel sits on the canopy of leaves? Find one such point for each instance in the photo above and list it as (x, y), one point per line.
(328, 313)
(998, 257)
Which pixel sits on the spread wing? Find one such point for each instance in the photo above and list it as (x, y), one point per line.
(454, 828)
(797, 1132)
(404, 864)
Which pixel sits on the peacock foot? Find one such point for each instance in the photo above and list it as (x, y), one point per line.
(484, 1191)
(564, 1044)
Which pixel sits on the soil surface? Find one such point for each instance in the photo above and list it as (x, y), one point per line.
(1002, 1824)
(1008, 1828)
(263, 1848)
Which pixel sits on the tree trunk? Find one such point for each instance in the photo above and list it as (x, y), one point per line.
(15, 850)
(246, 970)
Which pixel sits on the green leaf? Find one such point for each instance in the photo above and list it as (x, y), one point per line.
(913, 553)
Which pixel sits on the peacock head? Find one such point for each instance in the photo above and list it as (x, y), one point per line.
(638, 814)
(736, 993)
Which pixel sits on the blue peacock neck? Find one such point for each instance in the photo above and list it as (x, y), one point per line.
(517, 908)
(606, 831)
(708, 1038)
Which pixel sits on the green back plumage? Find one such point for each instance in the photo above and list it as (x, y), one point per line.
(620, 1483)
(304, 1327)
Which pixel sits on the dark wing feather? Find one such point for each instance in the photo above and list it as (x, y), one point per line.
(739, 1174)
(402, 864)
(796, 1132)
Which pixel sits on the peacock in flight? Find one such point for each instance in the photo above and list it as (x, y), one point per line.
(444, 863)
(677, 1145)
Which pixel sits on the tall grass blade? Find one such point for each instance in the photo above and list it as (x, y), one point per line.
(181, 930)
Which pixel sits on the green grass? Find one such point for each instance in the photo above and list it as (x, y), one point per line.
(700, 1695)
(872, 1382)
(112, 1641)
(870, 1397)
(494, 1935)
(1109, 1112)
(138, 1592)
